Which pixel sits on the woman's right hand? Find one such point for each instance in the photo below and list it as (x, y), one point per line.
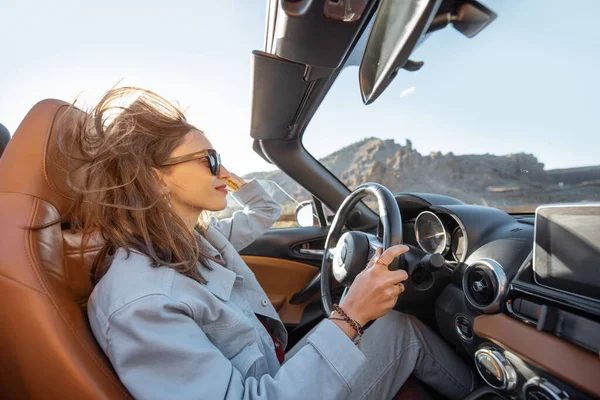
(375, 290)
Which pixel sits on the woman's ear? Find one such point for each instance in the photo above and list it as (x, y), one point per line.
(161, 181)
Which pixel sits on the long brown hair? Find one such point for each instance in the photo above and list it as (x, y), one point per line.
(117, 196)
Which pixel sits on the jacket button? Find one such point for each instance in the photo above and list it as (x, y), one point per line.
(264, 302)
(276, 345)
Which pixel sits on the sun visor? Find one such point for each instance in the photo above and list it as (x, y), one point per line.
(278, 89)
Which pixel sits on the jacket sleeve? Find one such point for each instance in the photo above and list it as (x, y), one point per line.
(160, 352)
(259, 213)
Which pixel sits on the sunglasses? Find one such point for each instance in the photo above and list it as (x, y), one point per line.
(214, 160)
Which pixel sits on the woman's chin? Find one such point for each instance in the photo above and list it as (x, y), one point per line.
(216, 206)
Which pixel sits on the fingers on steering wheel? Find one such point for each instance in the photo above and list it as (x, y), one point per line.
(375, 257)
(390, 254)
(398, 276)
(400, 287)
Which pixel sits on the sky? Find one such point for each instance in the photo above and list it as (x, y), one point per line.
(528, 83)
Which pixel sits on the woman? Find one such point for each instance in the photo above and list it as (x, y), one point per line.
(175, 308)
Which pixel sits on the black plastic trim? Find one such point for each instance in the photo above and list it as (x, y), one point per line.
(320, 212)
(283, 243)
(312, 38)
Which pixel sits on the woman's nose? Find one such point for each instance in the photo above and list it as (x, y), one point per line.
(223, 173)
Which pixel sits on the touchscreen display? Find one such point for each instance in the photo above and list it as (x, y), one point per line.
(567, 248)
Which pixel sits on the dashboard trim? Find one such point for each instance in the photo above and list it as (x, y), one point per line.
(465, 236)
(559, 299)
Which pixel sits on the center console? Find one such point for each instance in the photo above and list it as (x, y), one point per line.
(549, 341)
(522, 363)
(514, 377)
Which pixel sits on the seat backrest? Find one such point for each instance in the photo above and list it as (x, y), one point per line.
(47, 350)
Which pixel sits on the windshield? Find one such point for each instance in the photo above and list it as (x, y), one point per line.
(507, 119)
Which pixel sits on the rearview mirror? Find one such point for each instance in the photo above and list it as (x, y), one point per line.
(398, 28)
(401, 26)
(305, 215)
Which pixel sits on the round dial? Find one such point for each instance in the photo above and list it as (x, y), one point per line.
(495, 369)
(458, 246)
(541, 389)
(431, 233)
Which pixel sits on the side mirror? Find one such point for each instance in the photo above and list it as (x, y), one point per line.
(305, 215)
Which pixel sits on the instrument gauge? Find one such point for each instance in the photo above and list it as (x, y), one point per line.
(431, 233)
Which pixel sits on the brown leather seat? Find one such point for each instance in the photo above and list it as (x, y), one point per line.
(47, 350)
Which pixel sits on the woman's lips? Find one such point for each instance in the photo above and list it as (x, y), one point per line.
(222, 189)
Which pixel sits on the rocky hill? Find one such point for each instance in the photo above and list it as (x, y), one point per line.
(514, 181)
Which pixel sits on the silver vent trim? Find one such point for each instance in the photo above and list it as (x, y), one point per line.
(501, 284)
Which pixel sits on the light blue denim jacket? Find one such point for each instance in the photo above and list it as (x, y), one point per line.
(170, 337)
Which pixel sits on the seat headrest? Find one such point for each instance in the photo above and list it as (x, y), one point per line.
(44, 174)
(4, 138)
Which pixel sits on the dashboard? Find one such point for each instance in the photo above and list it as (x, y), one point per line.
(493, 309)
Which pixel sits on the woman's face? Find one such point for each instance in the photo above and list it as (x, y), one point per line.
(191, 185)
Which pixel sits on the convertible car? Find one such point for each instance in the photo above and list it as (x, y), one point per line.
(517, 295)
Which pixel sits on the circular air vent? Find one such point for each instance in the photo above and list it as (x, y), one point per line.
(484, 283)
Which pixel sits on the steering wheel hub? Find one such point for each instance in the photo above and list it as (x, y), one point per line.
(350, 256)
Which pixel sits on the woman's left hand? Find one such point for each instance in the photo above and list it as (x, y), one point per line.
(234, 182)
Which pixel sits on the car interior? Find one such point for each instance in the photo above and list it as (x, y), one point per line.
(517, 295)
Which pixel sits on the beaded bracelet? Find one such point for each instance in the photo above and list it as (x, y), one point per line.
(355, 325)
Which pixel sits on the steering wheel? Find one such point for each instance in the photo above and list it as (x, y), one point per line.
(347, 254)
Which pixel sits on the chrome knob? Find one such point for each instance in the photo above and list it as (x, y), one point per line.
(495, 369)
(537, 388)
